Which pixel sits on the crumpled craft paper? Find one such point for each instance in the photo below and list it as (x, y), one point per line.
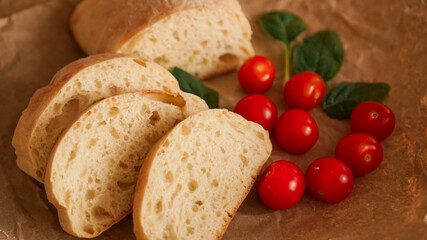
(384, 42)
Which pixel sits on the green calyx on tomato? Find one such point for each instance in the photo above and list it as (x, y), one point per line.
(367, 158)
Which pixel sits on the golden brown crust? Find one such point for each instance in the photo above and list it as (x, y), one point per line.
(62, 216)
(104, 26)
(64, 221)
(144, 173)
(24, 129)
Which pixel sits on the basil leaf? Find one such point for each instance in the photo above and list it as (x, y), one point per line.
(340, 101)
(321, 53)
(190, 84)
(283, 26)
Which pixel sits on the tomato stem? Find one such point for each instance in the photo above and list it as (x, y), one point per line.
(286, 70)
(374, 115)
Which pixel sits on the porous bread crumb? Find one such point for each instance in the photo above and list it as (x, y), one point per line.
(195, 178)
(93, 169)
(204, 42)
(71, 93)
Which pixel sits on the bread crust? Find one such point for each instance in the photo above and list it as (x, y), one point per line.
(63, 216)
(141, 184)
(144, 176)
(104, 26)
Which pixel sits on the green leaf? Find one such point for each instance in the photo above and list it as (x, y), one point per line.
(283, 26)
(321, 53)
(340, 101)
(190, 84)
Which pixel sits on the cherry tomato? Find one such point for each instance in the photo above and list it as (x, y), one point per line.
(296, 131)
(257, 74)
(329, 179)
(282, 185)
(304, 91)
(373, 118)
(361, 152)
(258, 108)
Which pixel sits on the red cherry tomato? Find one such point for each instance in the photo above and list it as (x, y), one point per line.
(258, 108)
(304, 91)
(373, 118)
(257, 74)
(361, 152)
(282, 185)
(296, 131)
(329, 179)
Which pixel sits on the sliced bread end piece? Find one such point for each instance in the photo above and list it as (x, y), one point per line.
(189, 42)
(206, 38)
(195, 178)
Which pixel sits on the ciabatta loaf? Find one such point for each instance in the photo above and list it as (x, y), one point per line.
(203, 37)
(74, 88)
(195, 178)
(93, 169)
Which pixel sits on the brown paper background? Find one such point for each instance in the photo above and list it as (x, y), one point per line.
(385, 40)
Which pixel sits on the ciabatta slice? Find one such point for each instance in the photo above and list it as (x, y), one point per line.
(93, 169)
(205, 38)
(74, 88)
(195, 178)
